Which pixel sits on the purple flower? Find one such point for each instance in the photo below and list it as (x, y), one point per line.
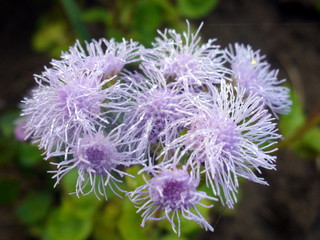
(170, 193)
(109, 56)
(96, 159)
(251, 71)
(66, 104)
(226, 139)
(154, 104)
(185, 61)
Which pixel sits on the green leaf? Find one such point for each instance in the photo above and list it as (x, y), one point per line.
(9, 191)
(34, 207)
(74, 14)
(52, 38)
(28, 155)
(172, 236)
(84, 206)
(69, 181)
(64, 223)
(146, 20)
(73, 220)
(312, 139)
(105, 226)
(115, 33)
(129, 223)
(195, 8)
(8, 150)
(304, 140)
(317, 5)
(7, 123)
(133, 183)
(308, 145)
(96, 14)
(290, 123)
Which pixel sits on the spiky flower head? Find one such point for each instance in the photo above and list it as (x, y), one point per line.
(251, 71)
(97, 159)
(226, 139)
(110, 56)
(154, 104)
(66, 104)
(185, 61)
(170, 193)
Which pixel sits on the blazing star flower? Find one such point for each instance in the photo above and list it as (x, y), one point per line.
(154, 105)
(97, 159)
(170, 192)
(184, 60)
(226, 139)
(110, 56)
(251, 71)
(66, 104)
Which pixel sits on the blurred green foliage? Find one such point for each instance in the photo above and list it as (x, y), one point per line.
(137, 19)
(301, 133)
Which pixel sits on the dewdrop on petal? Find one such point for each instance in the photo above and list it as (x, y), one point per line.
(252, 72)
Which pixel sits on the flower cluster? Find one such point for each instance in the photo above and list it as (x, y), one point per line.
(184, 111)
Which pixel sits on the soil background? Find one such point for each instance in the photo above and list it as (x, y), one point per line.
(288, 32)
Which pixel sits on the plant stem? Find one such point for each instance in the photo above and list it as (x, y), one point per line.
(310, 122)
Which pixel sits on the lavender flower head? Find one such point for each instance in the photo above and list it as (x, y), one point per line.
(251, 71)
(110, 56)
(96, 159)
(172, 192)
(66, 104)
(178, 116)
(185, 61)
(154, 105)
(227, 139)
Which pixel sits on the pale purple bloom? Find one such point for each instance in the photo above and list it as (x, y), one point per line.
(226, 139)
(107, 55)
(66, 104)
(251, 71)
(97, 159)
(185, 61)
(178, 116)
(170, 193)
(154, 104)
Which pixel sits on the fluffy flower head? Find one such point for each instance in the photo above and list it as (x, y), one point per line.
(226, 140)
(173, 192)
(251, 71)
(107, 55)
(66, 104)
(96, 159)
(185, 61)
(154, 105)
